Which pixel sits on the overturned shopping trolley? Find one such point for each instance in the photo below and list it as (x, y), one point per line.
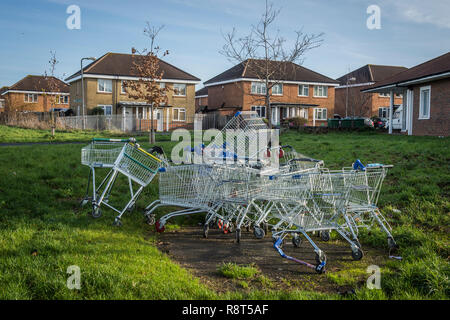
(139, 167)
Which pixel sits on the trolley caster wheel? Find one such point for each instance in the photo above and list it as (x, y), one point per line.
(325, 236)
(96, 213)
(392, 244)
(296, 241)
(117, 222)
(258, 232)
(247, 228)
(150, 219)
(212, 224)
(159, 228)
(205, 230)
(238, 235)
(321, 258)
(83, 202)
(357, 254)
(320, 268)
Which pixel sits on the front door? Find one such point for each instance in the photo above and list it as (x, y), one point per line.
(159, 120)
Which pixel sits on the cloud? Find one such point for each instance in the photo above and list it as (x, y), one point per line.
(435, 12)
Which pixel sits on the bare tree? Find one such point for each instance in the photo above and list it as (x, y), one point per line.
(146, 67)
(264, 52)
(359, 103)
(51, 86)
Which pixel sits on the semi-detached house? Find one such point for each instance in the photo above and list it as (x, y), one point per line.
(298, 92)
(104, 87)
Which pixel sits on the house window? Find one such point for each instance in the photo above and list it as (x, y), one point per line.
(179, 114)
(31, 97)
(303, 90)
(320, 91)
(398, 95)
(179, 89)
(320, 113)
(107, 109)
(424, 109)
(261, 110)
(277, 89)
(122, 88)
(104, 85)
(258, 88)
(383, 112)
(62, 99)
(385, 95)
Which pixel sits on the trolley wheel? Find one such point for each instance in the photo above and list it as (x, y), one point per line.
(96, 212)
(357, 254)
(325, 235)
(296, 241)
(159, 228)
(150, 219)
(247, 228)
(205, 230)
(238, 235)
(321, 257)
(392, 244)
(212, 224)
(320, 268)
(84, 202)
(258, 232)
(117, 222)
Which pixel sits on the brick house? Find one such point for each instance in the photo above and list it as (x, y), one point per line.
(34, 94)
(298, 92)
(351, 101)
(426, 88)
(103, 87)
(2, 100)
(201, 99)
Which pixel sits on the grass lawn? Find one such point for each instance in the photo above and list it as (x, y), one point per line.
(42, 231)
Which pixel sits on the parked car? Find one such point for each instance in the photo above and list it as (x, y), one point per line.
(379, 122)
(368, 122)
(396, 119)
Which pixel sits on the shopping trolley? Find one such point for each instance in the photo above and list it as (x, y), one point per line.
(100, 153)
(139, 167)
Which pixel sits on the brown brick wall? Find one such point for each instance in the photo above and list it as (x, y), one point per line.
(239, 94)
(439, 122)
(364, 104)
(16, 102)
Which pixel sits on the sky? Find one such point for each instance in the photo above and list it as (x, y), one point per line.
(410, 33)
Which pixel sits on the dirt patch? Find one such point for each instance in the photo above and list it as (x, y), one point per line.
(203, 256)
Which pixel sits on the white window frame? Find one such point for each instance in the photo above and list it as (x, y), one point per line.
(258, 109)
(179, 110)
(301, 90)
(33, 96)
(384, 95)
(278, 85)
(175, 85)
(320, 110)
(384, 110)
(104, 86)
(323, 94)
(258, 88)
(104, 106)
(63, 98)
(122, 90)
(421, 114)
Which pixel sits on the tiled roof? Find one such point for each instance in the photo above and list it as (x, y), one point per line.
(286, 71)
(120, 64)
(432, 67)
(370, 73)
(40, 84)
(202, 92)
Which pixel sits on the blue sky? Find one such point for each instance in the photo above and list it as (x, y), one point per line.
(410, 32)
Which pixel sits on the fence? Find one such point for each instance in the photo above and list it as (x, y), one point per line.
(109, 122)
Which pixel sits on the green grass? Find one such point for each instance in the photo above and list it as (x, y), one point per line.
(41, 185)
(234, 271)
